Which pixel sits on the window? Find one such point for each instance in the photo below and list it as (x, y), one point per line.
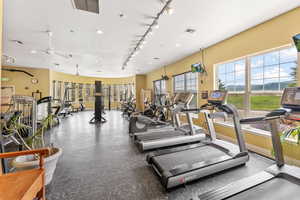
(87, 92)
(273, 71)
(187, 82)
(80, 90)
(115, 93)
(54, 89)
(159, 92)
(73, 92)
(231, 76)
(268, 74)
(58, 90)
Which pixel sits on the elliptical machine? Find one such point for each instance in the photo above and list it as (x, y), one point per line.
(153, 117)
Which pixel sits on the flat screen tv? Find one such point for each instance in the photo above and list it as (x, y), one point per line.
(197, 67)
(296, 39)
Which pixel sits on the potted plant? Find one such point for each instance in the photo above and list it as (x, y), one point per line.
(37, 141)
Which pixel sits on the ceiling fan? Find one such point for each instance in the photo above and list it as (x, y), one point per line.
(51, 51)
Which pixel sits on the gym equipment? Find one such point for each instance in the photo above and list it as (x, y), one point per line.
(8, 135)
(153, 117)
(128, 107)
(279, 181)
(296, 40)
(66, 104)
(166, 137)
(81, 105)
(45, 108)
(183, 164)
(99, 104)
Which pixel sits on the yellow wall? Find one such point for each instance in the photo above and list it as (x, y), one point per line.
(22, 82)
(1, 24)
(59, 76)
(24, 86)
(271, 34)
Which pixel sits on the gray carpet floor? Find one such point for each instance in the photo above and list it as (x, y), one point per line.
(101, 162)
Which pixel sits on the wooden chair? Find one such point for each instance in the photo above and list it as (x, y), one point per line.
(24, 185)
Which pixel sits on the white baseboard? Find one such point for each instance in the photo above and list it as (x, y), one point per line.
(260, 150)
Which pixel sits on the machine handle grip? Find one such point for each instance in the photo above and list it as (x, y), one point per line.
(191, 110)
(44, 100)
(251, 120)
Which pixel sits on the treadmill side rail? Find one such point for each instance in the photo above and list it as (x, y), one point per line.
(172, 179)
(236, 187)
(168, 142)
(175, 149)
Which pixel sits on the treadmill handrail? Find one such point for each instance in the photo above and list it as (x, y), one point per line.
(191, 110)
(253, 120)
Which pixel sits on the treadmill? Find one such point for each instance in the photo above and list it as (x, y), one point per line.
(181, 134)
(277, 182)
(183, 164)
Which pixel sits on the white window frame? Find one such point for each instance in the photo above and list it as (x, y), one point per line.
(248, 92)
(195, 92)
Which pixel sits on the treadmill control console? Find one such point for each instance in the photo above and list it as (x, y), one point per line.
(217, 97)
(291, 98)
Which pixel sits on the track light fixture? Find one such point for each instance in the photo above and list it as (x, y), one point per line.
(155, 25)
(149, 31)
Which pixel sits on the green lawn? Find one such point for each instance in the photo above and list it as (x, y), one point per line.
(237, 100)
(257, 102)
(265, 102)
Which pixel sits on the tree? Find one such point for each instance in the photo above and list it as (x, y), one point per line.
(221, 85)
(294, 75)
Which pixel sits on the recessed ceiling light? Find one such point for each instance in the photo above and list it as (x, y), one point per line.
(99, 32)
(122, 15)
(98, 71)
(156, 58)
(177, 45)
(170, 10)
(33, 51)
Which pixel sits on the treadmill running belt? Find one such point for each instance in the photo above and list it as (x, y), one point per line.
(275, 189)
(189, 157)
(157, 136)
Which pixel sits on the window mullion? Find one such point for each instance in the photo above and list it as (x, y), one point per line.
(247, 97)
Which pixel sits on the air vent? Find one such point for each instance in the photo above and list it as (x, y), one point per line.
(87, 5)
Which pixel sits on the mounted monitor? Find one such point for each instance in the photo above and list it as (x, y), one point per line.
(198, 67)
(296, 39)
(291, 98)
(217, 97)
